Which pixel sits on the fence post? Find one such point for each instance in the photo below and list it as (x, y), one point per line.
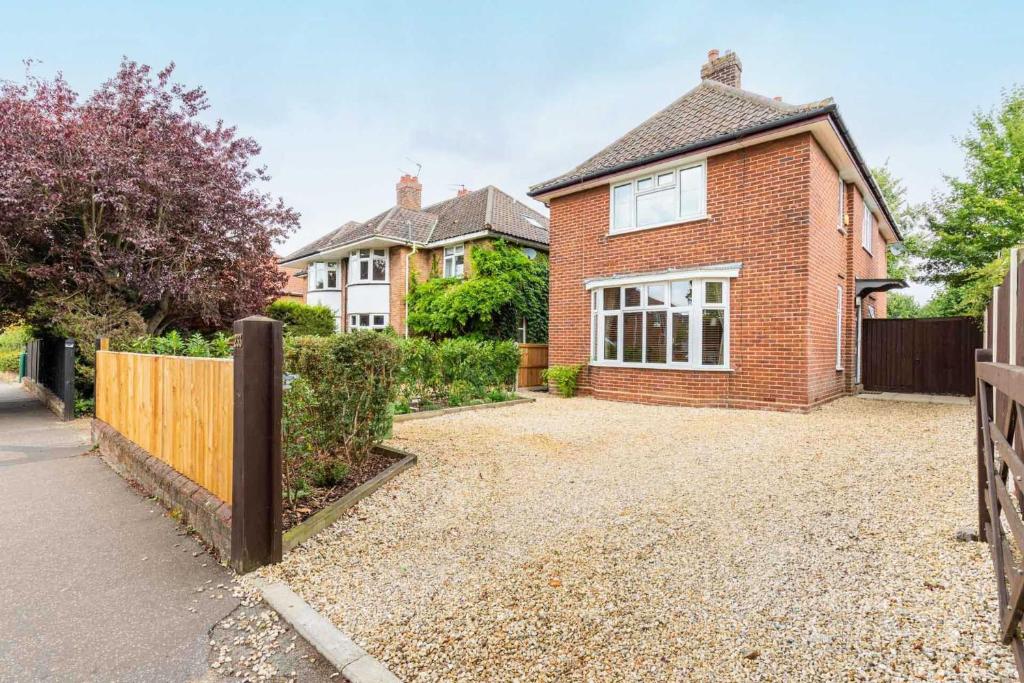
(67, 376)
(981, 356)
(256, 475)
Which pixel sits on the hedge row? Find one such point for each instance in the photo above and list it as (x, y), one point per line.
(454, 371)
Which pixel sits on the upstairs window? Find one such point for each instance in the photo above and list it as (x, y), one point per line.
(455, 261)
(323, 276)
(679, 323)
(663, 198)
(867, 230)
(370, 265)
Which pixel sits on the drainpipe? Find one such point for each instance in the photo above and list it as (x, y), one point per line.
(857, 313)
(408, 274)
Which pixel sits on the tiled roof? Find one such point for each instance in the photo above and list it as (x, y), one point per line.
(486, 209)
(709, 111)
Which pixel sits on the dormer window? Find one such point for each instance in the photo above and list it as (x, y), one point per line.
(455, 261)
(663, 198)
(370, 265)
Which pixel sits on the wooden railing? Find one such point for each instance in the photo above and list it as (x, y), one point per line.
(533, 359)
(180, 410)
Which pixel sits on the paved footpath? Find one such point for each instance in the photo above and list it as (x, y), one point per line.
(96, 582)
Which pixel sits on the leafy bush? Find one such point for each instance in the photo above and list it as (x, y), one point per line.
(174, 344)
(14, 337)
(456, 371)
(337, 404)
(564, 377)
(504, 286)
(9, 360)
(301, 319)
(85, 406)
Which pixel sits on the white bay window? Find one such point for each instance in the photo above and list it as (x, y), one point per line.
(680, 323)
(659, 199)
(368, 265)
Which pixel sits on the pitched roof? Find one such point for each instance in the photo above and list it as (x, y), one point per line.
(486, 209)
(709, 111)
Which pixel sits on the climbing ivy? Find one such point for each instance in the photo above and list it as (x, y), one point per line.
(504, 286)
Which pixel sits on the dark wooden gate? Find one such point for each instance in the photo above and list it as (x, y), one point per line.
(920, 355)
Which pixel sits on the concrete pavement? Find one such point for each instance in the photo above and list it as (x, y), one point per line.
(96, 582)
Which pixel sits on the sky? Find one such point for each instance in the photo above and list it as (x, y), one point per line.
(346, 96)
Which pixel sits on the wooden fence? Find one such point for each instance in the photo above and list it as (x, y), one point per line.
(919, 355)
(533, 359)
(180, 410)
(1000, 429)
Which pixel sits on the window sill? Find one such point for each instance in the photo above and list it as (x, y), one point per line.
(681, 221)
(325, 289)
(368, 282)
(666, 366)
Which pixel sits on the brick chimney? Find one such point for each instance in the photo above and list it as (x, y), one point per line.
(409, 192)
(725, 69)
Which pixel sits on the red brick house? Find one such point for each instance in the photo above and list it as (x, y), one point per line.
(718, 254)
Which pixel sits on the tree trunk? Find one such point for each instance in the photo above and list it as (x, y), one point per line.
(155, 322)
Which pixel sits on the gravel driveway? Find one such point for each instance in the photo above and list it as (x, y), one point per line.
(585, 540)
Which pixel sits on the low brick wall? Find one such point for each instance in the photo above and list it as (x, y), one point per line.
(48, 398)
(199, 509)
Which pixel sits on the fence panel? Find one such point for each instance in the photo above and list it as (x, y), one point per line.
(533, 359)
(178, 409)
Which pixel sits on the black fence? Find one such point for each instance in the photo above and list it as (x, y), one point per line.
(50, 363)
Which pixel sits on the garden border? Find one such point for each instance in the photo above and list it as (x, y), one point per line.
(302, 532)
(422, 415)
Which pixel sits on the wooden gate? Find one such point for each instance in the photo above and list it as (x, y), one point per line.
(922, 355)
(533, 359)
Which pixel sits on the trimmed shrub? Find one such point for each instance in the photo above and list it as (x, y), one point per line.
(302, 320)
(9, 360)
(337, 404)
(564, 377)
(456, 371)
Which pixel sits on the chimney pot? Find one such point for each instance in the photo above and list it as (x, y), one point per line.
(777, 98)
(409, 192)
(463, 191)
(725, 69)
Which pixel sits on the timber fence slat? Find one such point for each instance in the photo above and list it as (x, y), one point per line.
(177, 409)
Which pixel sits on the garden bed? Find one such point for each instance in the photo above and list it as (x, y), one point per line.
(437, 410)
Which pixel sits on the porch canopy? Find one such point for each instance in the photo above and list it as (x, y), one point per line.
(870, 286)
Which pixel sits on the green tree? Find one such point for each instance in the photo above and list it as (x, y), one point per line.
(980, 216)
(902, 306)
(504, 287)
(907, 217)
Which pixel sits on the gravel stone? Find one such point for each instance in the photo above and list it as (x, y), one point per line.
(584, 540)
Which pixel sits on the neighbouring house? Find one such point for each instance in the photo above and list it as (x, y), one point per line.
(361, 270)
(721, 253)
(295, 287)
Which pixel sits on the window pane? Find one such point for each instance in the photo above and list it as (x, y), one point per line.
(632, 297)
(379, 266)
(364, 320)
(449, 251)
(318, 270)
(691, 191)
(353, 320)
(593, 337)
(655, 295)
(364, 253)
(680, 337)
(713, 338)
(713, 292)
(460, 266)
(656, 337)
(644, 184)
(681, 293)
(364, 270)
(611, 298)
(611, 337)
(448, 263)
(666, 179)
(332, 275)
(623, 206)
(378, 320)
(632, 337)
(654, 208)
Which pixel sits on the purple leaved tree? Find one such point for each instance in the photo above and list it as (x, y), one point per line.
(130, 194)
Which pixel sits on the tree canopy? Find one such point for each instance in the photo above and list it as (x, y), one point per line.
(979, 217)
(504, 286)
(130, 200)
(907, 217)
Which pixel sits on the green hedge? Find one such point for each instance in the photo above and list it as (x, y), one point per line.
(455, 371)
(302, 320)
(337, 404)
(9, 360)
(12, 343)
(174, 343)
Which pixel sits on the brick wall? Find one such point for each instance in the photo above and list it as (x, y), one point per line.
(758, 214)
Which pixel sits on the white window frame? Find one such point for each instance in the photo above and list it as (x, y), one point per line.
(694, 309)
(355, 321)
(366, 256)
(839, 328)
(841, 225)
(675, 184)
(451, 257)
(867, 229)
(313, 272)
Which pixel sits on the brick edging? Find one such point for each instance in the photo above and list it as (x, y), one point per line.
(207, 514)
